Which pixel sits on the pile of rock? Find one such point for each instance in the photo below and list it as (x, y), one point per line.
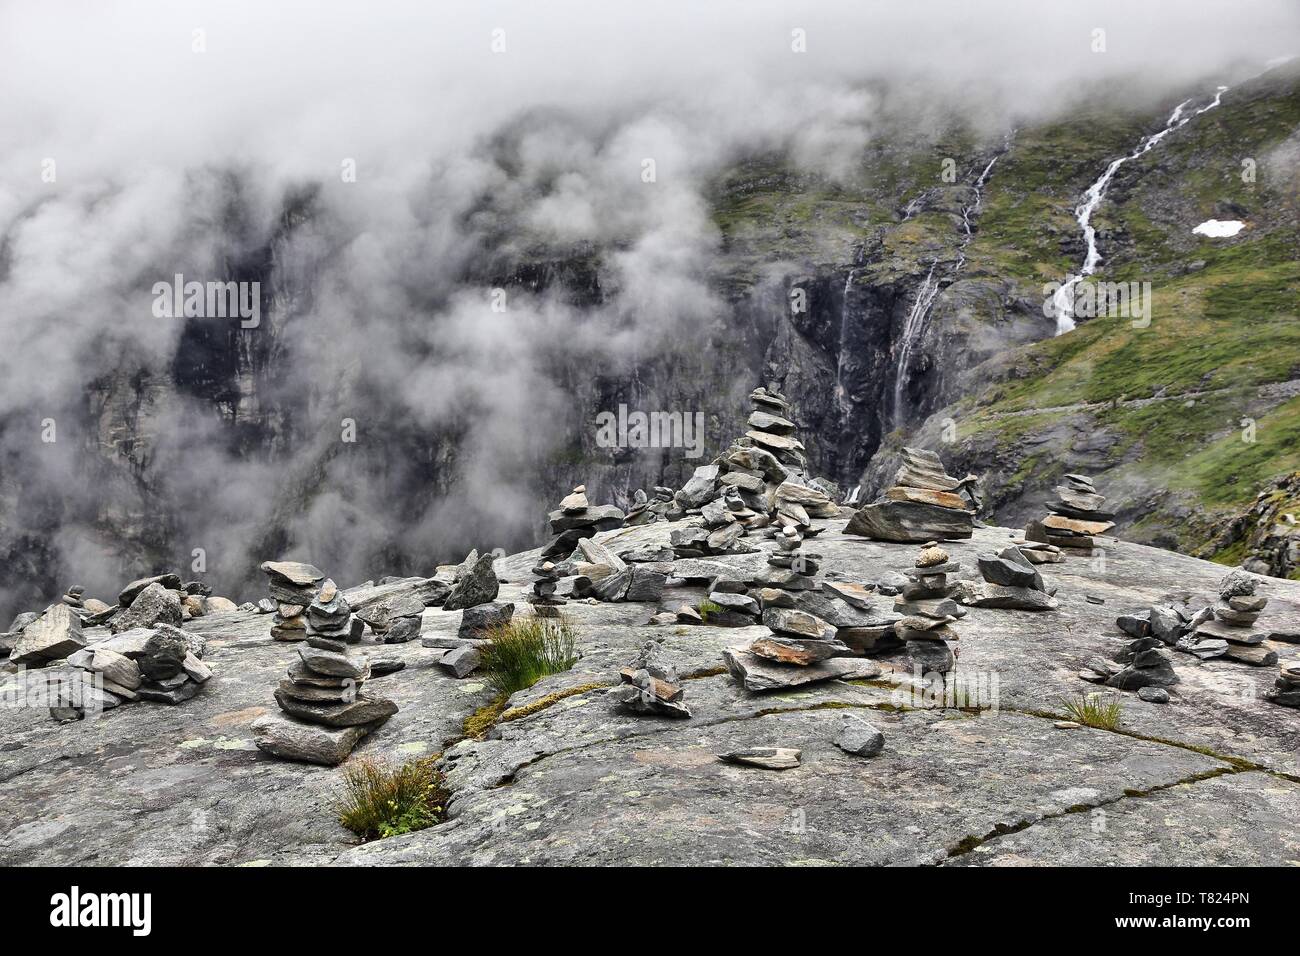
(803, 645)
(163, 665)
(641, 511)
(928, 610)
(576, 519)
(1224, 630)
(325, 712)
(1232, 626)
(393, 620)
(293, 586)
(1139, 665)
(545, 602)
(923, 504)
(650, 685)
(1074, 519)
(605, 576)
(1286, 690)
(1012, 582)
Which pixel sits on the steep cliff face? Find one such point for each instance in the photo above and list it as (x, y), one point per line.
(901, 301)
(1185, 415)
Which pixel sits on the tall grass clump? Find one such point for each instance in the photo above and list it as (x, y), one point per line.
(1095, 710)
(378, 801)
(523, 651)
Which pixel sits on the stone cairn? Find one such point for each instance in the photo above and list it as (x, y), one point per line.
(928, 610)
(576, 566)
(576, 519)
(802, 646)
(325, 712)
(162, 665)
(1140, 665)
(924, 504)
(1232, 627)
(1286, 690)
(545, 602)
(330, 618)
(1225, 630)
(1012, 582)
(649, 685)
(293, 586)
(1074, 519)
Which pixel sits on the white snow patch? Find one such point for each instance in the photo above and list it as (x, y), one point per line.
(1219, 228)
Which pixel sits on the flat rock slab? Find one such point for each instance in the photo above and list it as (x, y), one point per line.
(148, 784)
(667, 799)
(569, 778)
(1181, 826)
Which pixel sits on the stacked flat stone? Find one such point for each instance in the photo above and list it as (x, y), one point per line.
(720, 532)
(293, 586)
(924, 504)
(325, 712)
(329, 616)
(1286, 690)
(799, 643)
(545, 602)
(576, 519)
(73, 596)
(1012, 582)
(1036, 552)
(771, 429)
(649, 685)
(759, 482)
(927, 610)
(1233, 623)
(1075, 518)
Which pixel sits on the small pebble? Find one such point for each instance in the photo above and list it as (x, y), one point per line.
(1154, 695)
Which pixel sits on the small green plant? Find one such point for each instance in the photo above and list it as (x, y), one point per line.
(1095, 710)
(380, 802)
(707, 608)
(523, 651)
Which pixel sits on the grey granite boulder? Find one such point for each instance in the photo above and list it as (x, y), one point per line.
(476, 621)
(53, 635)
(309, 743)
(152, 606)
(477, 586)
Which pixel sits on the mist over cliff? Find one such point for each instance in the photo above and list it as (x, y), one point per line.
(459, 246)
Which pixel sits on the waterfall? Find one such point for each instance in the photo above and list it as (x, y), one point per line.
(1063, 301)
(912, 329)
(929, 291)
(841, 395)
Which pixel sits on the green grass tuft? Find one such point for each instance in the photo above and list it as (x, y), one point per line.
(380, 802)
(1102, 711)
(523, 651)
